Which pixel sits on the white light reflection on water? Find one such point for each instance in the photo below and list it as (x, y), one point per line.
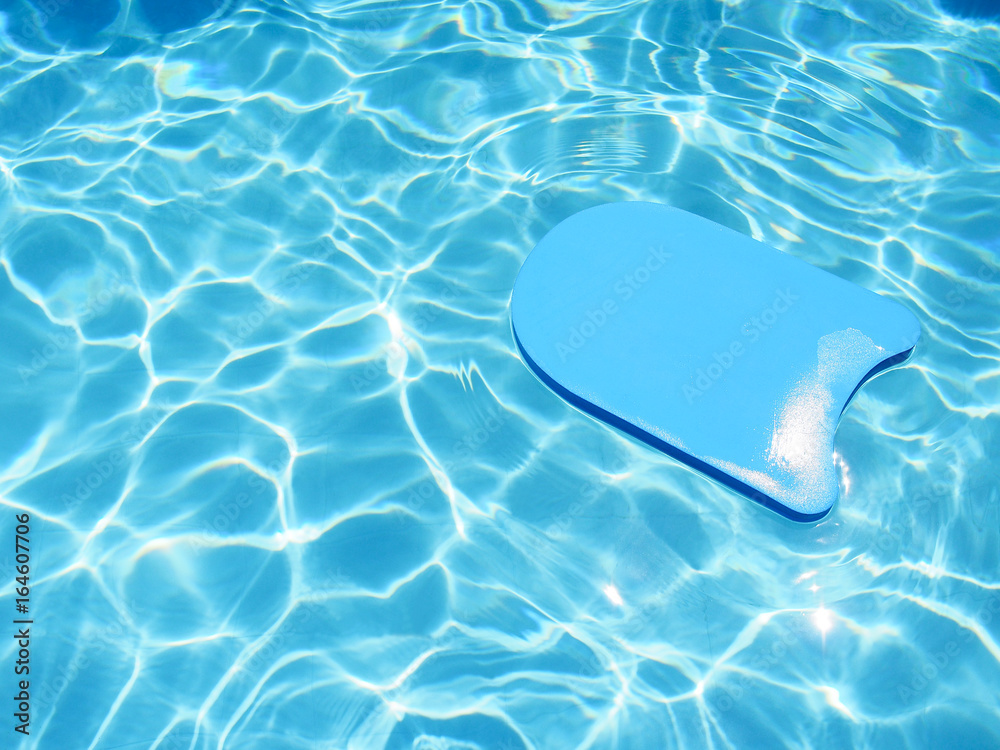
(290, 484)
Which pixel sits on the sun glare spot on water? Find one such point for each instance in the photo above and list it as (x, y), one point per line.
(398, 709)
(395, 325)
(396, 353)
(302, 535)
(786, 234)
(844, 473)
(614, 597)
(832, 696)
(823, 620)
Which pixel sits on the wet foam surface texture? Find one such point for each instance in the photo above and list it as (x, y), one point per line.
(716, 349)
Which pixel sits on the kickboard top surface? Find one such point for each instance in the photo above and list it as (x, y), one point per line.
(720, 351)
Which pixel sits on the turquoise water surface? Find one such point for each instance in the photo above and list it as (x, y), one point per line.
(287, 483)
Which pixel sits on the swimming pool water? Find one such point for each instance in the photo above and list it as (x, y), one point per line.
(289, 484)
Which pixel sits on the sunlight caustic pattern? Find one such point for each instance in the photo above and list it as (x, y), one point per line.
(291, 485)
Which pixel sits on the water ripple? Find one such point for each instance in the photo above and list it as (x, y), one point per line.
(291, 486)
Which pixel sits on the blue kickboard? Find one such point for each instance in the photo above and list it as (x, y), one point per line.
(720, 351)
